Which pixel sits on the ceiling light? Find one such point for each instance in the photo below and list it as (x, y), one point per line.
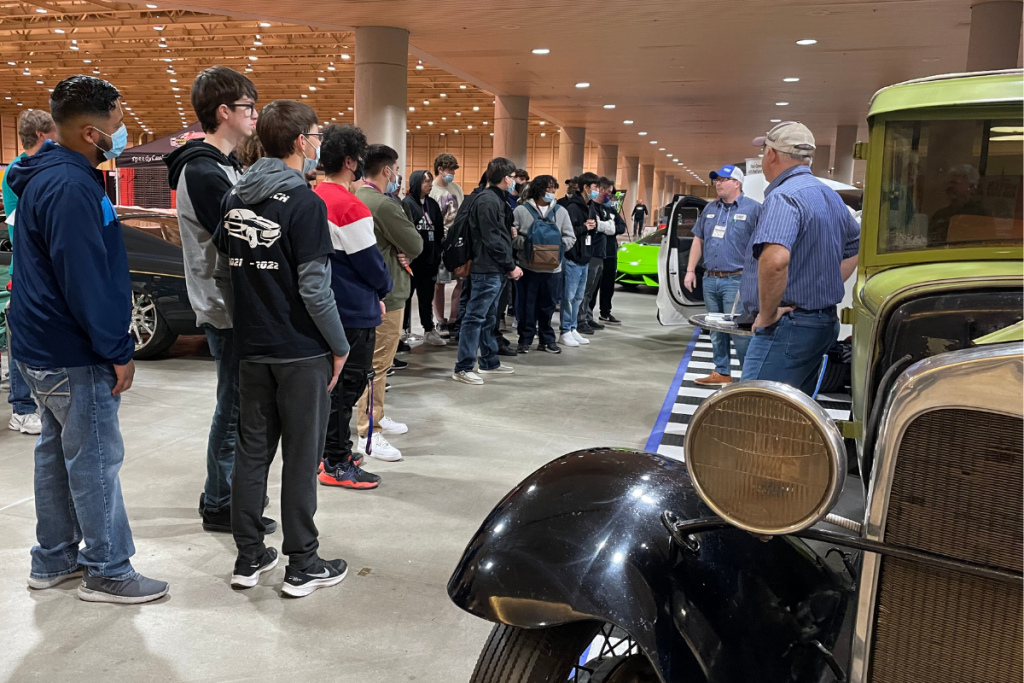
(166, 59)
(485, 123)
(675, 159)
(444, 118)
(628, 122)
(430, 123)
(458, 113)
(320, 78)
(542, 123)
(158, 28)
(345, 56)
(643, 132)
(175, 89)
(782, 104)
(476, 108)
(419, 67)
(151, 6)
(350, 108)
(582, 85)
(39, 82)
(161, 44)
(74, 47)
(790, 80)
(456, 130)
(253, 58)
(87, 61)
(609, 106)
(174, 80)
(265, 24)
(248, 68)
(471, 128)
(426, 101)
(442, 134)
(443, 95)
(417, 127)
(661, 149)
(412, 108)
(13, 63)
(668, 155)
(775, 121)
(257, 42)
(58, 30)
(492, 135)
(304, 96)
(41, 10)
(806, 41)
(540, 51)
(461, 87)
(330, 68)
(312, 88)
(654, 142)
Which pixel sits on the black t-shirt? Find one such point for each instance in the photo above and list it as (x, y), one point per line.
(265, 243)
(638, 212)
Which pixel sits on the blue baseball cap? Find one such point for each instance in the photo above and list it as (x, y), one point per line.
(728, 171)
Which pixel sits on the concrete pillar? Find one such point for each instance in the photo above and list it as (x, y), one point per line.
(822, 164)
(846, 137)
(646, 189)
(995, 35)
(511, 115)
(570, 152)
(632, 168)
(607, 160)
(381, 87)
(659, 193)
(670, 188)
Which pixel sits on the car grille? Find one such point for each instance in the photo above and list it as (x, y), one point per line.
(957, 492)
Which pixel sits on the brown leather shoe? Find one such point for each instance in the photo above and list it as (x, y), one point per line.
(714, 379)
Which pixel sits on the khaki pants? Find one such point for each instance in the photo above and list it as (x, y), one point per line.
(389, 333)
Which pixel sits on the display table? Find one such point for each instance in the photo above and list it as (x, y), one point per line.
(718, 326)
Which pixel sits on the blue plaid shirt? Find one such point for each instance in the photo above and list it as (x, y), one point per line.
(735, 223)
(809, 219)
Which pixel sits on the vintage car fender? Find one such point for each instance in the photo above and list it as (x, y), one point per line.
(582, 539)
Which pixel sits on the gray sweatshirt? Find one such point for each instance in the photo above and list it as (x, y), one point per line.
(522, 221)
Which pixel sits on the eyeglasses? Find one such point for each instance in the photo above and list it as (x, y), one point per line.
(318, 136)
(250, 106)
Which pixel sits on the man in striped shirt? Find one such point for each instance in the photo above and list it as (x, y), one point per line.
(802, 250)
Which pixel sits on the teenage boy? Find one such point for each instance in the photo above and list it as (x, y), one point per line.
(606, 289)
(576, 263)
(277, 243)
(399, 243)
(603, 234)
(72, 309)
(449, 196)
(360, 280)
(202, 172)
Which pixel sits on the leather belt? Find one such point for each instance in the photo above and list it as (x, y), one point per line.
(722, 273)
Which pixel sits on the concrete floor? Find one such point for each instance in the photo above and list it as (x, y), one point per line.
(391, 619)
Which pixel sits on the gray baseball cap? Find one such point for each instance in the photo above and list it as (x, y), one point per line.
(791, 137)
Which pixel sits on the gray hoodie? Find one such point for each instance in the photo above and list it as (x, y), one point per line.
(522, 221)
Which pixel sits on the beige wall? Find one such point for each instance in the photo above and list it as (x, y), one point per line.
(10, 146)
(474, 151)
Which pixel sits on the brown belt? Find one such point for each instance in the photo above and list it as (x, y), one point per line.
(720, 273)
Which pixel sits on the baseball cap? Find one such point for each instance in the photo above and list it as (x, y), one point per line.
(728, 171)
(791, 137)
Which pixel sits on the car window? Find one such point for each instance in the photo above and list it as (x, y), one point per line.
(654, 238)
(951, 184)
(686, 218)
(158, 226)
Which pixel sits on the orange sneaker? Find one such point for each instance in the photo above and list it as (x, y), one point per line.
(715, 379)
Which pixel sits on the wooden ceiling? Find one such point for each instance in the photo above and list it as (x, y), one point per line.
(151, 55)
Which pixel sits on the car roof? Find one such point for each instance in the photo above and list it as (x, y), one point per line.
(986, 87)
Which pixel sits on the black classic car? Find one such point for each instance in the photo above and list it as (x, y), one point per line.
(161, 309)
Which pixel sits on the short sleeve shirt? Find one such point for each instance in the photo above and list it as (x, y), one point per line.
(726, 230)
(809, 219)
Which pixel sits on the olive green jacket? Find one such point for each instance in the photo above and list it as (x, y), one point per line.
(395, 235)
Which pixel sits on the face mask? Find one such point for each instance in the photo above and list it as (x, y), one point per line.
(392, 187)
(309, 165)
(118, 141)
(360, 170)
(449, 177)
(549, 197)
(594, 194)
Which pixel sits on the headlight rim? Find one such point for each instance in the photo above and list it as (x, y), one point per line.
(834, 445)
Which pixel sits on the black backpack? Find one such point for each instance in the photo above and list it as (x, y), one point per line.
(457, 250)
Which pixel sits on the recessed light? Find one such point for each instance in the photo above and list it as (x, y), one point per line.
(582, 85)
(253, 58)
(806, 41)
(443, 95)
(158, 28)
(643, 132)
(265, 24)
(541, 51)
(792, 79)
(345, 56)
(426, 101)
(782, 104)
(628, 122)
(412, 108)
(41, 11)
(654, 142)
(320, 78)
(609, 106)
(58, 30)
(476, 108)
(419, 67)
(775, 121)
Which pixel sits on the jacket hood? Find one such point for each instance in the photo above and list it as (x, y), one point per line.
(579, 201)
(415, 183)
(193, 149)
(266, 177)
(49, 155)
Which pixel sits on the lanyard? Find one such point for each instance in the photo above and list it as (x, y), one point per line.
(367, 182)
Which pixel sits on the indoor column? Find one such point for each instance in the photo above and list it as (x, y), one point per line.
(995, 35)
(659, 193)
(570, 152)
(381, 87)
(607, 161)
(842, 167)
(646, 190)
(511, 116)
(822, 164)
(632, 168)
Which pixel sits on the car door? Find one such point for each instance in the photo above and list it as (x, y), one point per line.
(675, 303)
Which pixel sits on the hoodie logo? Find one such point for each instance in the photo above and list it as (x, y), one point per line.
(245, 225)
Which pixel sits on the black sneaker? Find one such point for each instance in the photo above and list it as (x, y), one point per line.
(220, 521)
(595, 325)
(323, 574)
(348, 475)
(610, 319)
(387, 387)
(506, 351)
(523, 349)
(391, 371)
(550, 348)
(585, 329)
(403, 347)
(247, 574)
(398, 364)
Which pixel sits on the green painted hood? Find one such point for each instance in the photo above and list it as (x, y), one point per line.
(879, 287)
(645, 256)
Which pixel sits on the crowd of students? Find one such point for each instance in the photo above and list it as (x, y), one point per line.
(303, 295)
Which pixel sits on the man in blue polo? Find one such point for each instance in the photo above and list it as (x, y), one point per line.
(722, 235)
(804, 248)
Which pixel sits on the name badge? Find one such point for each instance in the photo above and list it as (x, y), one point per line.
(719, 231)
(741, 217)
(588, 240)
(709, 215)
(430, 236)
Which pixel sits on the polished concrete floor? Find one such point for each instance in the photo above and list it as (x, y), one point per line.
(390, 620)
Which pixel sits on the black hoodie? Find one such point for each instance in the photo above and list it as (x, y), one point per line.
(426, 215)
(579, 214)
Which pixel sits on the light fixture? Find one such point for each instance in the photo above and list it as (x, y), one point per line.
(13, 63)
(540, 51)
(476, 108)
(792, 79)
(442, 134)
(542, 123)
(643, 132)
(469, 127)
(158, 28)
(174, 80)
(253, 58)
(58, 30)
(782, 104)
(628, 122)
(175, 89)
(419, 67)
(775, 121)
(320, 78)
(265, 24)
(654, 142)
(330, 68)
(87, 61)
(609, 106)
(257, 42)
(249, 69)
(167, 59)
(430, 123)
(444, 118)
(417, 127)
(304, 96)
(74, 47)
(443, 95)
(350, 108)
(39, 82)
(543, 135)
(426, 101)
(151, 6)
(461, 87)
(458, 113)
(456, 130)
(582, 85)
(41, 10)
(668, 155)
(806, 41)
(661, 149)
(412, 108)
(345, 56)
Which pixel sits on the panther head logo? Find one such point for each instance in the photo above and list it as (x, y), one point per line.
(245, 225)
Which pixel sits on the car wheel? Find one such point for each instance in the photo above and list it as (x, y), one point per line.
(149, 330)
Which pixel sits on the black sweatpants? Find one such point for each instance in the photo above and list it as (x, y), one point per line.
(594, 275)
(286, 403)
(611, 268)
(355, 376)
(423, 288)
(535, 304)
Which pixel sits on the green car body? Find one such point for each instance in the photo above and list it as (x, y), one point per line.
(638, 261)
(890, 276)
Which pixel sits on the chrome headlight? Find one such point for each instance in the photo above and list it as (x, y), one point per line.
(765, 457)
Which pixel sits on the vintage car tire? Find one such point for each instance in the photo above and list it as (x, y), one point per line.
(518, 655)
(150, 332)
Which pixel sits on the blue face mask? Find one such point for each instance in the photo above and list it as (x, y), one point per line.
(118, 141)
(594, 194)
(449, 177)
(549, 197)
(392, 187)
(309, 165)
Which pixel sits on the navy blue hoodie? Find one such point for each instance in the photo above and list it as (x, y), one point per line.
(71, 300)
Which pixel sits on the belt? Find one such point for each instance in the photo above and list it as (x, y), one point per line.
(722, 273)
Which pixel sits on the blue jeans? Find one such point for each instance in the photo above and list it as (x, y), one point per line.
(719, 295)
(574, 286)
(478, 323)
(791, 349)
(20, 397)
(78, 490)
(220, 448)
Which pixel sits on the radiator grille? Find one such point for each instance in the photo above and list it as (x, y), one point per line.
(957, 491)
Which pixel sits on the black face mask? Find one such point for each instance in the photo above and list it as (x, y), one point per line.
(360, 170)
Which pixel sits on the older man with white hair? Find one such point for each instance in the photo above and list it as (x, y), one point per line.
(802, 250)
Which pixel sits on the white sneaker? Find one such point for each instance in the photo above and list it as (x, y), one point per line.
(381, 449)
(580, 339)
(500, 370)
(389, 426)
(26, 424)
(569, 340)
(467, 377)
(434, 338)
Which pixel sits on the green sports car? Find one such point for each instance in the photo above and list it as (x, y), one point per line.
(638, 261)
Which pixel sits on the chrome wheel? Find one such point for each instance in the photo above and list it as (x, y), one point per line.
(612, 657)
(144, 320)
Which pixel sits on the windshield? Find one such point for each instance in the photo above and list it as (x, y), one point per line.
(654, 238)
(951, 184)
